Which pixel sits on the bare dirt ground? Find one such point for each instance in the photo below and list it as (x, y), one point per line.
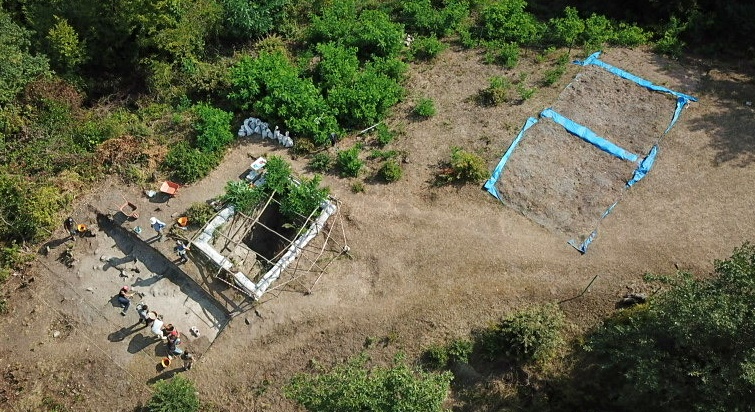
(428, 263)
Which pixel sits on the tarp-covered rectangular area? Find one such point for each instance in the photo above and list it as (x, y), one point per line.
(568, 168)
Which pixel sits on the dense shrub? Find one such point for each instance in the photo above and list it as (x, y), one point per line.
(390, 171)
(425, 108)
(354, 387)
(435, 357)
(242, 196)
(188, 164)
(464, 167)
(384, 135)
(497, 91)
(507, 21)
(670, 42)
(692, 348)
(177, 394)
(348, 162)
(200, 213)
(246, 19)
(278, 175)
(371, 31)
(565, 31)
(270, 85)
(29, 210)
(427, 48)
(213, 128)
(304, 198)
(530, 335)
(423, 17)
(320, 162)
(17, 67)
(359, 96)
(504, 54)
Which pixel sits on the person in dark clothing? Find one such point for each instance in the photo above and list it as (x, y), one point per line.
(70, 226)
(124, 298)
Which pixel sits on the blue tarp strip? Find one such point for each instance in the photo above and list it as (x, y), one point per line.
(490, 184)
(589, 136)
(680, 103)
(594, 60)
(644, 167)
(582, 247)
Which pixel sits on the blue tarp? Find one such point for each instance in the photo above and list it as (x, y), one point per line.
(589, 136)
(644, 167)
(594, 60)
(490, 184)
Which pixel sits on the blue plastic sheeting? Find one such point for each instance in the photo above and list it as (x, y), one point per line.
(594, 60)
(680, 103)
(644, 167)
(490, 184)
(582, 247)
(589, 136)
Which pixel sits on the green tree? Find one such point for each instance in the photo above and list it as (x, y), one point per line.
(354, 387)
(507, 21)
(213, 127)
(530, 335)
(65, 49)
(175, 395)
(566, 30)
(17, 66)
(691, 348)
(251, 19)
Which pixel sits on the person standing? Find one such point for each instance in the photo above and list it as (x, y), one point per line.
(181, 249)
(124, 298)
(70, 226)
(188, 359)
(158, 226)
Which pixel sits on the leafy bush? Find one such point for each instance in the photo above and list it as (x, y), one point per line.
(435, 357)
(321, 162)
(357, 187)
(564, 31)
(188, 164)
(521, 87)
(552, 76)
(199, 213)
(242, 196)
(384, 134)
(530, 335)
(29, 211)
(689, 349)
(670, 43)
(464, 167)
(598, 31)
(506, 21)
(348, 162)
(423, 17)
(278, 175)
(213, 127)
(18, 66)
(302, 199)
(497, 91)
(390, 171)
(427, 48)
(245, 20)
(270, 85)
(177, 394)
(630, 35)
(504, 54)
(354, 387)
(425, 108)
(371, 31)
(459, 350)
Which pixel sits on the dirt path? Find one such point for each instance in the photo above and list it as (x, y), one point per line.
(429, 263)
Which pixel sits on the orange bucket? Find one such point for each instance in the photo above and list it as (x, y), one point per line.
(165, 362)
(183, 221)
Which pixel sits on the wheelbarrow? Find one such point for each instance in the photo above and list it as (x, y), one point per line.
(129, 210)
(169, 188)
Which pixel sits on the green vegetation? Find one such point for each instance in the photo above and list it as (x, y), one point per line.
(390, 171)
(427, 48)
(176, 394)
(321, 162)
(348, 162)
(353, 386)
(425, 108)
(199, 213)
(530, 335)
(463, 167)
